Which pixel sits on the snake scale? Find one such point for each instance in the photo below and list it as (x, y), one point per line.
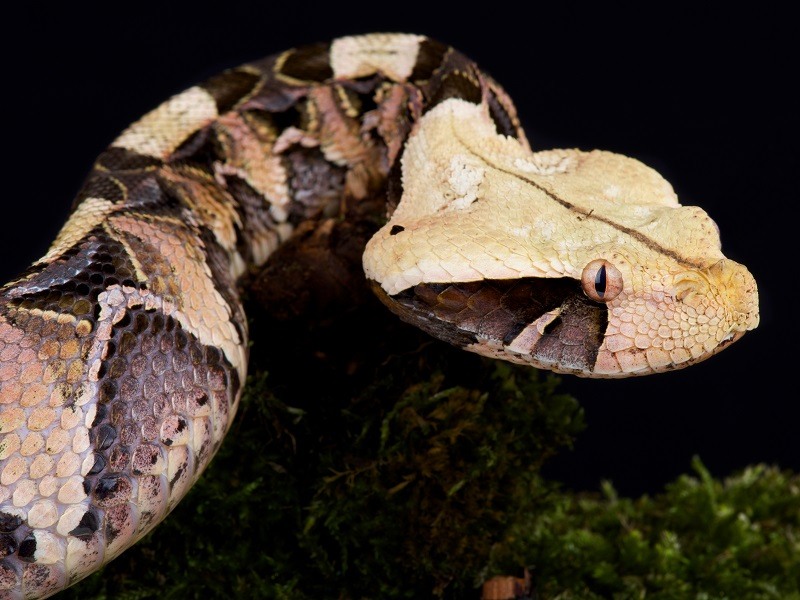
(124, 349)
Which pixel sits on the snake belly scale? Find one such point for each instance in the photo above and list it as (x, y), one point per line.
(123, 350)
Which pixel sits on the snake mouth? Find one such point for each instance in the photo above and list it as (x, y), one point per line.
(528, 320)
(548, 323)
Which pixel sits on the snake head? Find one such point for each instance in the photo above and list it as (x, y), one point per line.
(577, 262)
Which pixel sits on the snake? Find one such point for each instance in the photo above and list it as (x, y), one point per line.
(124, 349)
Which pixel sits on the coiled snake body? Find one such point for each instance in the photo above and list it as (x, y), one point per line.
(124, 349)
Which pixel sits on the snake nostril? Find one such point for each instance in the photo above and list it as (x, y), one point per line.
(688, 284)
(684, 291)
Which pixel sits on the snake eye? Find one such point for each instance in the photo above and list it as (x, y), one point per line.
(601, 280)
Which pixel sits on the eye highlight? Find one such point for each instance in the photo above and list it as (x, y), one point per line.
(601, 280)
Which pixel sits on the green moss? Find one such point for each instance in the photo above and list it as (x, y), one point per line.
(425, 490)
(701, 538)
(367, 486)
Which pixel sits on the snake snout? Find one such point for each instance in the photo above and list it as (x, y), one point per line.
(738, 288)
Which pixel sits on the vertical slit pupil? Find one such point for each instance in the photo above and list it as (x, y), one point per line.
(600, 281)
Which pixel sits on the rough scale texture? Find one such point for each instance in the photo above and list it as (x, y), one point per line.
(123, 350)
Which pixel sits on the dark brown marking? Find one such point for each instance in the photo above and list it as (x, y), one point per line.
(108, 391)
(122, 159)
(421, 316)
(502, 119)
(8, 545)
(100, 185)
(104, 437)
(86, 527)
(551, 326)
(456, 84)
(492, 308)
(499, 310)
(396, 229)
(177, 475)
(100, 414)
(200, 148)
(573, 339)
(394, 185)
(309, 63)
(72, 283)
(98, 466)
(274, 97)
(111, 490)
(9, 523)
(27, 548)
(251, 207)
(230, 87)
(429, 58)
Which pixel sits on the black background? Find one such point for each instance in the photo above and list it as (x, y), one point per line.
(703, 96)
